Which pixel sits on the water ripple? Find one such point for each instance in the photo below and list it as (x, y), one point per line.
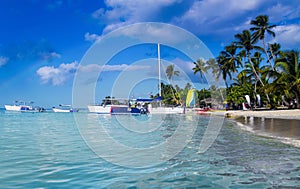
(45, 150)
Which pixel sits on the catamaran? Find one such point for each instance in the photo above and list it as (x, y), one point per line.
(163, 109)
(137, 106)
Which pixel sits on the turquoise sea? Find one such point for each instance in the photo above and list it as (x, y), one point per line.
(48, 150)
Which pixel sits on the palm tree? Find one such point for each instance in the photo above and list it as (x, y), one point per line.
(274, 50)
(228, 62)
(261, 27)
(241, 79)
(224, 69)
(263, 71)
(200, 67)
(212, 65)
(171, 72)
(244, 41)
(289, 72)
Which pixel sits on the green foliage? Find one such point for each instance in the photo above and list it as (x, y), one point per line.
(169, 95)
(248, 68)
(252, 69)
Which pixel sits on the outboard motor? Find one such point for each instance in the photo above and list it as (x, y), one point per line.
(143, 111)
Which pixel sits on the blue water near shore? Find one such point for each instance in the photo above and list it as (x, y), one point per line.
(46, 150)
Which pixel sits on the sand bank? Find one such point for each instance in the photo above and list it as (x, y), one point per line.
(279, 114)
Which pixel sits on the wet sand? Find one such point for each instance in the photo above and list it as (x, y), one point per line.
(274, 127)
(280, 124)
(279, 114)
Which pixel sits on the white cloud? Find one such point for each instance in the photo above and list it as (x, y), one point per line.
(288, 36)
(91, 37)
(200, 17)
(151, 31)
(212, 16)
(278, 11)
(3, 60)
(49, 55)
(124, 12)
(217, 19)
(98, 13)
(186, 66)
(59, 75)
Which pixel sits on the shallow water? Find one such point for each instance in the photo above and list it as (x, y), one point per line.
(285, 130)
(46, 150)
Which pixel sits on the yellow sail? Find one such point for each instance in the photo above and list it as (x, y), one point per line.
(191, 98)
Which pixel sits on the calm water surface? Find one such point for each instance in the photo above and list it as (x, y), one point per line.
(46, 150)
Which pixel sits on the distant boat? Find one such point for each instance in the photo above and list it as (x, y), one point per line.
(64, 109)
(18, 106)
(119, 106)
(203, 111)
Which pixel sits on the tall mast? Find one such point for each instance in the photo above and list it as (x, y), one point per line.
(159, 77)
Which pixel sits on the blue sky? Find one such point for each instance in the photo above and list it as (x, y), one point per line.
(43, 42)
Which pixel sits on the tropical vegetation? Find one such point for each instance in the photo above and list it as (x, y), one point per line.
(252, 64)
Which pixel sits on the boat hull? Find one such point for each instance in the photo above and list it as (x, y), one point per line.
(17, 108)
(12, 108)
(116, 109)
(99, 109)
(64, 110)
(167, 110)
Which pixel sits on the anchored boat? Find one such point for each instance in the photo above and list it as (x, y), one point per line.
(119, 106)
(64, 109)
(23, 107)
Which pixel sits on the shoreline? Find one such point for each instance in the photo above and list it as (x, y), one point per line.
(286, 129)
(278, 114)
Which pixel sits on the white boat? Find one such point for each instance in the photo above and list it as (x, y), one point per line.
(166, 110)
(18, 107)
(100, 109)
(64, 109)
(143, 105)
(12, 107)
(118, 106)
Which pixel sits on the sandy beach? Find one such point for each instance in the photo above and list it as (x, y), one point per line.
(279, 114)
(282, 125)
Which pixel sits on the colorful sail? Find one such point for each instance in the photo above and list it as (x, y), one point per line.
(191, 98)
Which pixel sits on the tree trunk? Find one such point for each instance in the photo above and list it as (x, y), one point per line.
(254, 71)
(255, 85)
(221, 95)
(273, 57)
(257, 76)
(269, 60)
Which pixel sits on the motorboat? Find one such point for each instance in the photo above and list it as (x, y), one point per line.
(64, 109)
(19, 106)
(119, 106)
